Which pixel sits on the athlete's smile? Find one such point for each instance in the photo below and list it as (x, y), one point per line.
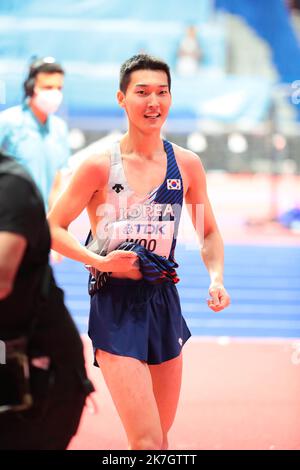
(152, 116)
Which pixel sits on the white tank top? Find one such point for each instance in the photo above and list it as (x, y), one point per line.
(150, 220)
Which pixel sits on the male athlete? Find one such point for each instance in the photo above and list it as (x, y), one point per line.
(134, 193)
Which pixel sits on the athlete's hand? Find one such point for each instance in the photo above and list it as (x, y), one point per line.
(219, 297)
(121, 261)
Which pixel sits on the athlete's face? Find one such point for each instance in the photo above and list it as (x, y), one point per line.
(147, 99)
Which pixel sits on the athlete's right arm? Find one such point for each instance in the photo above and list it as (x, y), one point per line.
(91, 176)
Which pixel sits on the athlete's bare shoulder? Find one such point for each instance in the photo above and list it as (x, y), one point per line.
(93, 169)
(184, 155)
(92, 161)
(189, 162)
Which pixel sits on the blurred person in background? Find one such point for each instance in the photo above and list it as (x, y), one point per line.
(189, 54)
(294, 7)
(30, 132)
(135, 190)
(40, 411)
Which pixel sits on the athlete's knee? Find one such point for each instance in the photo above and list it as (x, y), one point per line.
(150, 441)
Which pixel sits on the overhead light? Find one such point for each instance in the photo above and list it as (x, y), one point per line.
(237, 143)
(197, 142)
(279, 142)
(76, 139)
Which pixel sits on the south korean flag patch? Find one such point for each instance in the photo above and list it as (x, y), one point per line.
(174, 184)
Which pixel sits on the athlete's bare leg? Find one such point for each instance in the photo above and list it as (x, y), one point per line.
(130, 385)
(166, 379)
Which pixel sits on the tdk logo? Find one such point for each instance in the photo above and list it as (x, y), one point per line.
(147, 229)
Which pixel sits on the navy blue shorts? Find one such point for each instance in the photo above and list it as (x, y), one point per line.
(138, 319)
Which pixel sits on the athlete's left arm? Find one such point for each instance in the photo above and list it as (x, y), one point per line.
(212, 247)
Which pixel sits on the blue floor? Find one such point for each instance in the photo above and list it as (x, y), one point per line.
(264, 284)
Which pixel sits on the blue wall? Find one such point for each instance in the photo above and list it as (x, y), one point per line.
(188, 11)
(271, 20)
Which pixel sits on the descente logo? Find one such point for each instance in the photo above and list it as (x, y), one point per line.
(2, 352)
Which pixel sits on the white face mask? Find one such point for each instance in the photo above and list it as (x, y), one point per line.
(48, 101)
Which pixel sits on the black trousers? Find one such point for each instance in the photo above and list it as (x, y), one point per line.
(51, 422)
(59, 393)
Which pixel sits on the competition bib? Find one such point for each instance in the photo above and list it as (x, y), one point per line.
(155, 236)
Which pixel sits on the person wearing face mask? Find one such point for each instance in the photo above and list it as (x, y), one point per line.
(32, 134)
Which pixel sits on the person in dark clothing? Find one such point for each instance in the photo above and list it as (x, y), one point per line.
(32, 305)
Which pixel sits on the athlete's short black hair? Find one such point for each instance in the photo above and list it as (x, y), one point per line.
(141, 62)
